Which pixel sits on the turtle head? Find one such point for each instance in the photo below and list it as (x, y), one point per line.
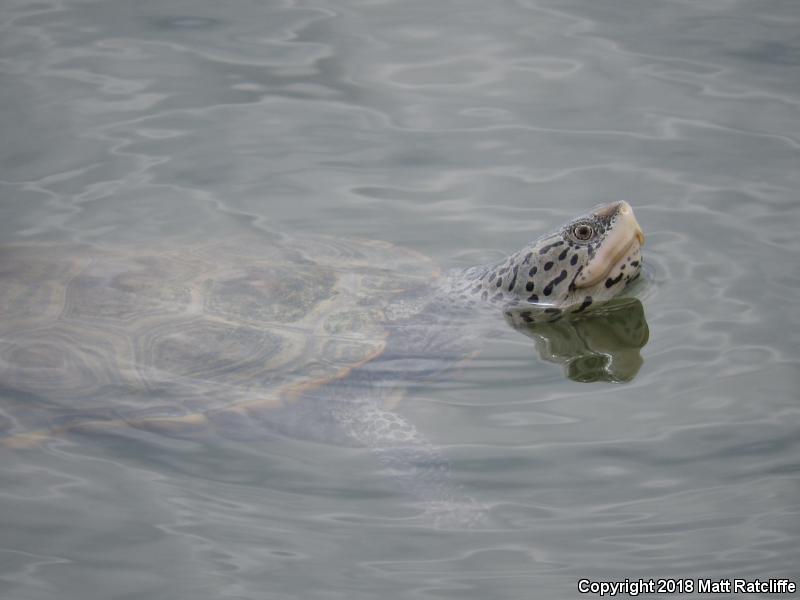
(607, 243)
(591, 258)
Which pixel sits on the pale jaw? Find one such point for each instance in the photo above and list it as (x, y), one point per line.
(622, 272)
(624, 241)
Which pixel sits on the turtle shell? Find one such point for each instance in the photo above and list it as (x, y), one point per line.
(166, 337)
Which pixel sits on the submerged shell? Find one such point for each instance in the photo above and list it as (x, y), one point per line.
(169, 337)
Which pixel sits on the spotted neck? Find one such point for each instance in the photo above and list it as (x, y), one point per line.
(533, 275)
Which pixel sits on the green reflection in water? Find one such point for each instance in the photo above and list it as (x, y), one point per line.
(601, 345)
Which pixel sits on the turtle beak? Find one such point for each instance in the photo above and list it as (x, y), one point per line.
(625, 215)
(625, 234)
(626, 212)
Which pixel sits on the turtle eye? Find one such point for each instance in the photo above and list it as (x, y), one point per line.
(583, 231)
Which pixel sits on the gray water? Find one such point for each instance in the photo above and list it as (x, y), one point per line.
(461, 130)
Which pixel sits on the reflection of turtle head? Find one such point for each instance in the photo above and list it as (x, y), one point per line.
(589, 259)
(601, 345)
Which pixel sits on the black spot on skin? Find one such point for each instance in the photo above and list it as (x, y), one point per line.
(533, 298)
(548, 265)
(563, 254)
(622, 268)
(587, 301)
(635, 277)
(590, 250)
(527, 258)
(529, 286)
(546, 249)
(573, 260)
(532, 272)
(526, 316)
(484, 295)
(499, 281)
(577, 274)
(549, 287)
(552, 311)
(513, 279)
(635, 263)
(613, 280)
(497, 296)
(503, 271)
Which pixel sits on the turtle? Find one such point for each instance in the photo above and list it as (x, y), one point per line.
(313, 337)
